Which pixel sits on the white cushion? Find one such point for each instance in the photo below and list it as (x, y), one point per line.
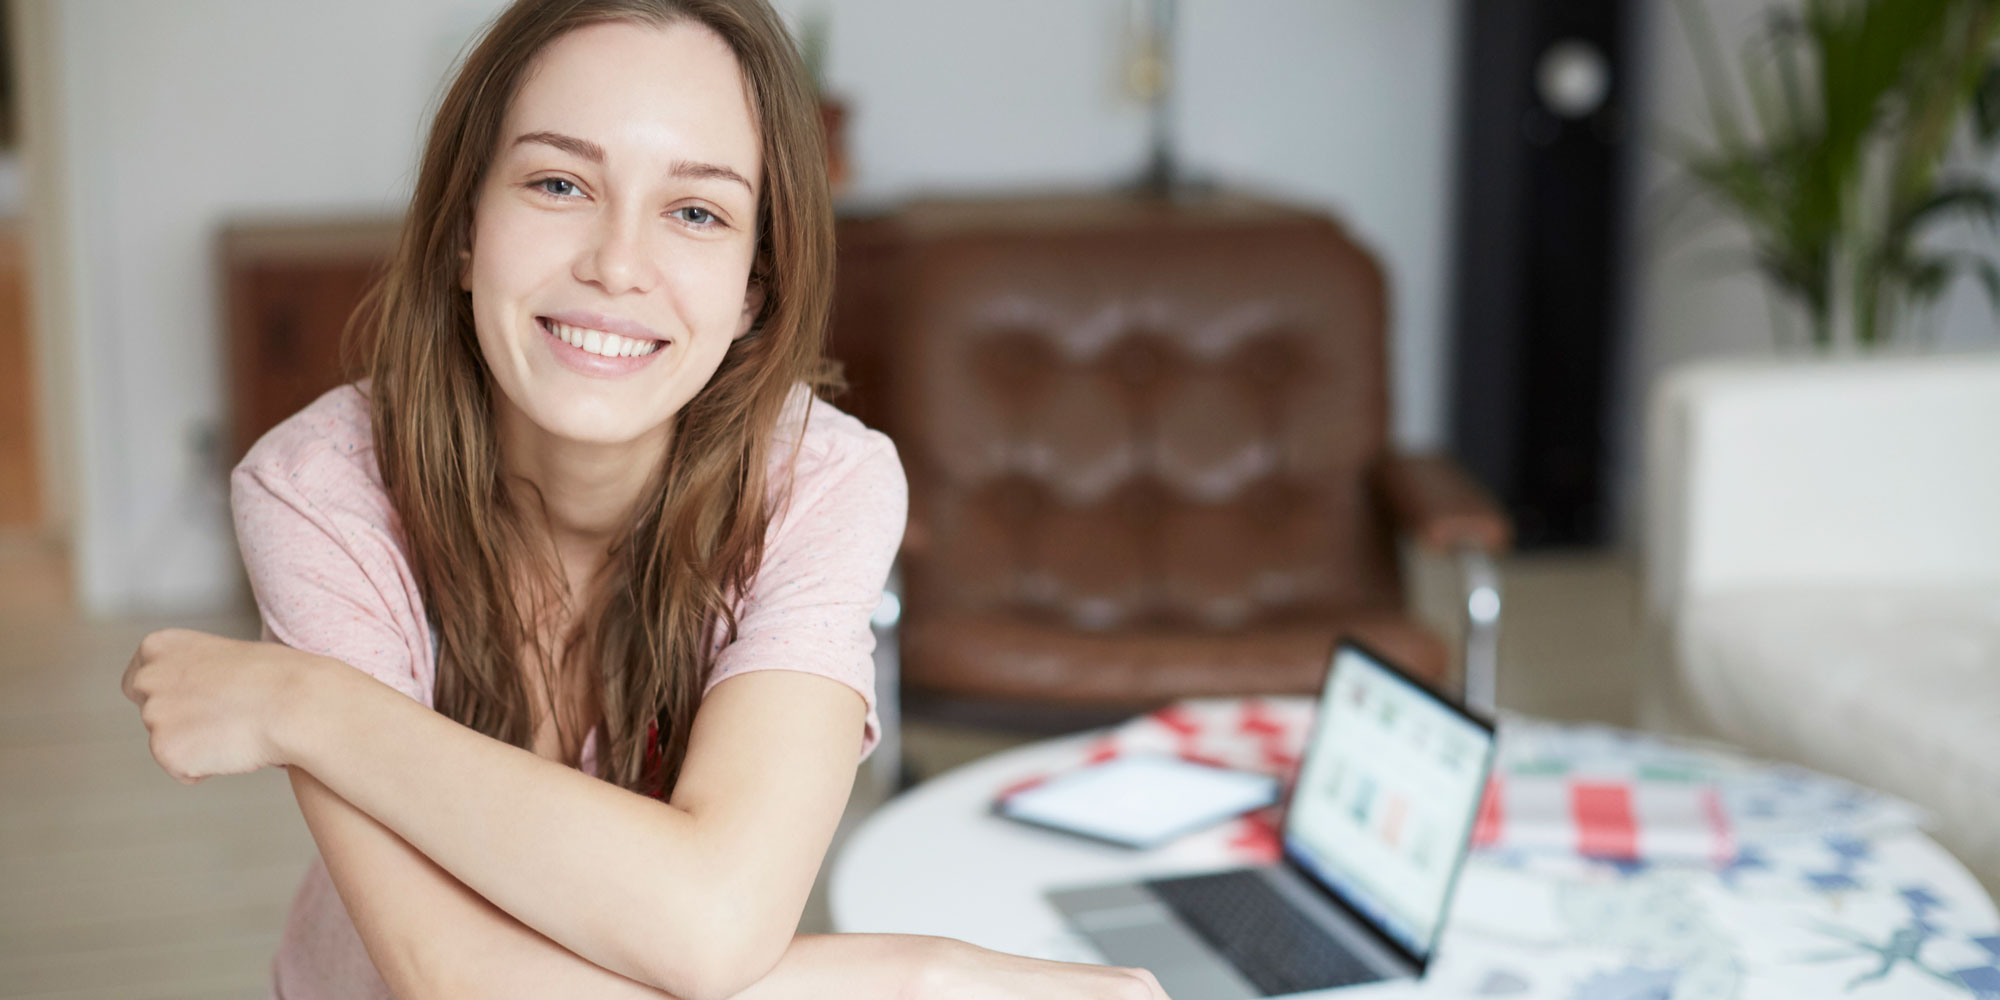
(1871, 471)
(1895, 688)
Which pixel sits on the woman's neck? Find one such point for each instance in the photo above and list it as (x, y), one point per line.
(589, 490)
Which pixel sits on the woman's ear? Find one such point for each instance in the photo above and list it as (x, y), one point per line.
(465, 250)
(753, 304)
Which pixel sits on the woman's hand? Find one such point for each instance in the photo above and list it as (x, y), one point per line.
(961, 971)
(212, 704)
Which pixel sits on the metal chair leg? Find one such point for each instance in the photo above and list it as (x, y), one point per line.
(1481, 592)
(888, 769)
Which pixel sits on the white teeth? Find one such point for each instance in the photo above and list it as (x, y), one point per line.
(598, 342)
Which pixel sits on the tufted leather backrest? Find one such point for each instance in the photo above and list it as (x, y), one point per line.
(1125, 415)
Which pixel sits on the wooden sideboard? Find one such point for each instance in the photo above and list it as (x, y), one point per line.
(20, 458)
(288, 290)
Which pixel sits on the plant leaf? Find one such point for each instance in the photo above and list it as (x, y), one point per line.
(1989, 277)
(1966, 197)
(1986, 105)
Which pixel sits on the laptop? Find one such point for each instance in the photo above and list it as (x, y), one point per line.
(1375, 833)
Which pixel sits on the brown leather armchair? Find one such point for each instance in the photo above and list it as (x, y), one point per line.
(1148, 455)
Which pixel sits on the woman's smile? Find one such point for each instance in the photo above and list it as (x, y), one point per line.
(596, 353)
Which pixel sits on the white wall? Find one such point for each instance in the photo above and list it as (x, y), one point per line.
(180, 116)
(177, 117)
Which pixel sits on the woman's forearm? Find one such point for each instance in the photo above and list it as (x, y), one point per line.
(814, 967)
(622, 880)
(431, 936)
(849, 967)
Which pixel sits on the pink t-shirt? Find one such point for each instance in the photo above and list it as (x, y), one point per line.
(321, 543)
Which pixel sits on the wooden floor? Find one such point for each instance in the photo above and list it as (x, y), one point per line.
(117, 882)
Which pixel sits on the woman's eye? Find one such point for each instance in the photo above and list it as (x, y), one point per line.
(703, 218)
(560, 187)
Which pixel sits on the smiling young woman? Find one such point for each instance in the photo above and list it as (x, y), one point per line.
(566, 603)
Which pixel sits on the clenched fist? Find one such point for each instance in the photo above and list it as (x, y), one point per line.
(214, 705)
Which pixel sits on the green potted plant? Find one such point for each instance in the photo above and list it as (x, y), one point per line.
(1868, 124)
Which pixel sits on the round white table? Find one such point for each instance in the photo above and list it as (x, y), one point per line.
(1835, 892)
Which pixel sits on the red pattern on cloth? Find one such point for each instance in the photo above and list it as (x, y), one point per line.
(1604, 821)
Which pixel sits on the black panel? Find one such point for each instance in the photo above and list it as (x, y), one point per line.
(1538, 268)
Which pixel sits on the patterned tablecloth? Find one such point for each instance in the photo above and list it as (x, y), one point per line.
(1824, 889)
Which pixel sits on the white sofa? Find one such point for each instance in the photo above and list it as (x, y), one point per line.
(1823, 560)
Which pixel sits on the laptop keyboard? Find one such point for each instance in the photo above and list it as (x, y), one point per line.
(1266, 938)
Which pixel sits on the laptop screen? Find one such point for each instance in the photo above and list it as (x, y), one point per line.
(1386, 796)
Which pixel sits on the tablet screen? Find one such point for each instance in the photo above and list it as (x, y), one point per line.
(1140, 800)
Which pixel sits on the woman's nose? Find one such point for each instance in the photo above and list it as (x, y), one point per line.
(621, 258)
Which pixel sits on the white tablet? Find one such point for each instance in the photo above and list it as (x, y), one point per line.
(1139, 800)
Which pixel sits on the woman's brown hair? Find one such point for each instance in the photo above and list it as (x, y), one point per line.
(645, 634)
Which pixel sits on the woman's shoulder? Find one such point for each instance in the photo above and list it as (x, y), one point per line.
(326, 451)
(817, 443)
(337, 423)
(320, 544)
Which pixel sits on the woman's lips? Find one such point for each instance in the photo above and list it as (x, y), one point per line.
(584, 362)
(619, 325)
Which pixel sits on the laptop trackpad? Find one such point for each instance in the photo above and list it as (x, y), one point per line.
(1140, 932)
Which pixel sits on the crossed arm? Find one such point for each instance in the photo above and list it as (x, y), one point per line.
(472, 867)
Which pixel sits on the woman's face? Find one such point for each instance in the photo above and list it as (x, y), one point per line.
(622, 201)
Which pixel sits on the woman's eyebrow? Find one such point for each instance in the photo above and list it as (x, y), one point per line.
(567, 143)
(593, 152)
(696, 170)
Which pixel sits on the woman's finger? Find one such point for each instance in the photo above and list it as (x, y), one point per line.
(125, 683)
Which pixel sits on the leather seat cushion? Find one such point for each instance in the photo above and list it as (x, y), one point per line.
(1006, 657)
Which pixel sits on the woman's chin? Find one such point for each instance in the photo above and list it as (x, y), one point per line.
(607, 435)
(589, 426)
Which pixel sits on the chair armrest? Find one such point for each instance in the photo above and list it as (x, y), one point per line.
(1437, 506)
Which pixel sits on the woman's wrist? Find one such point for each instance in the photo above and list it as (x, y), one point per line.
(318, 690)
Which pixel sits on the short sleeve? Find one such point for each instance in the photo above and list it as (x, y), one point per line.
(826, 558)
(327, 573)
